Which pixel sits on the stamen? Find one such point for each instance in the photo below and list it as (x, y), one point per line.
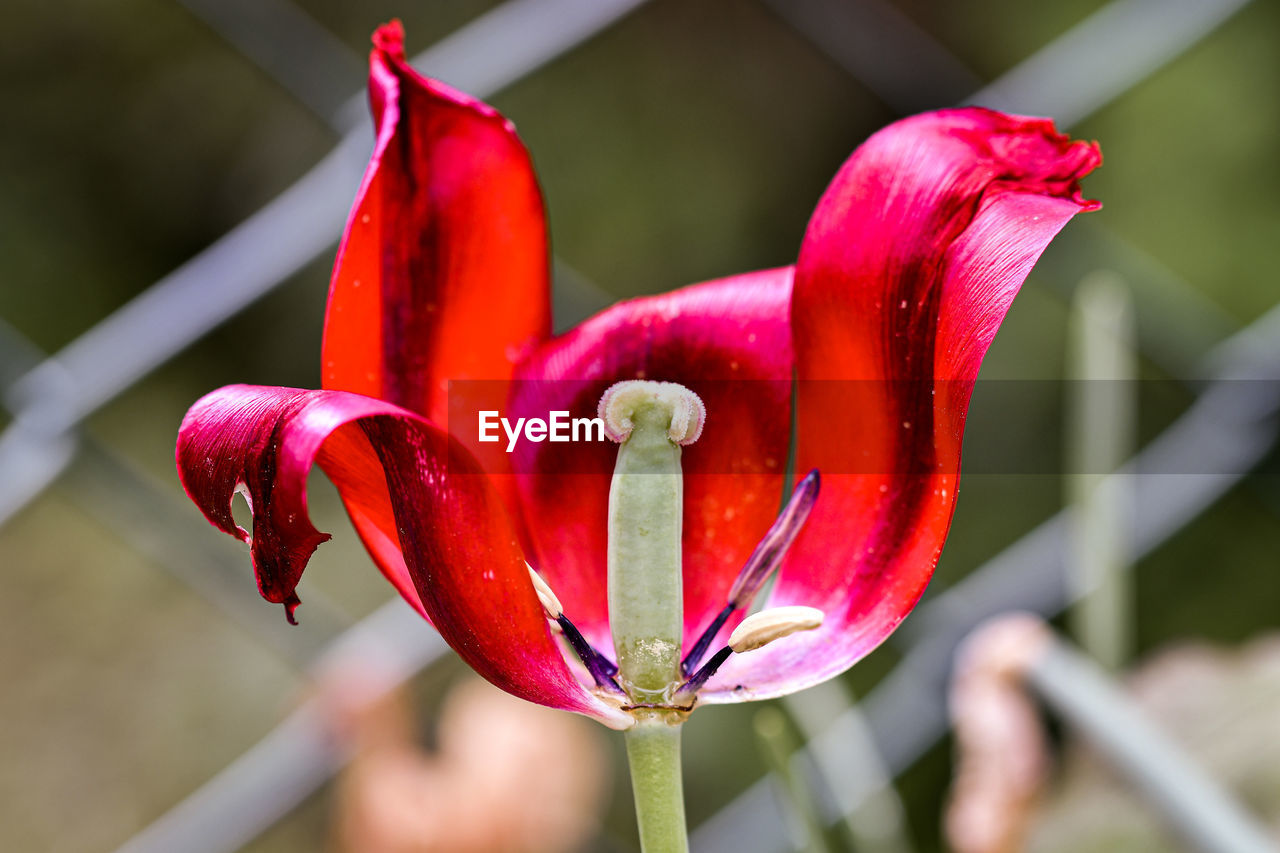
(761, 629)
(758, 629)
(686, 691)
(698, 649)
(601, 668)
(764, 561)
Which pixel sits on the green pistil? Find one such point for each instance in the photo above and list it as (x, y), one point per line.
(646, 504)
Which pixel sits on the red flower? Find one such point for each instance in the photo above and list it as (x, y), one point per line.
(907, 268)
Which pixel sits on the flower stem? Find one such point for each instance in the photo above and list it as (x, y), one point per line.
(653, 750)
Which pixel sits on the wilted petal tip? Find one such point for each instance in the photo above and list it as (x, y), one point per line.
(389, 39)
(1034, 154)
(290, 606)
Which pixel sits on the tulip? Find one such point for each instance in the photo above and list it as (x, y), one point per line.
(534, 564)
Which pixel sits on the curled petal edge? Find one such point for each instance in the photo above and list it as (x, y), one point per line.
(462, 565)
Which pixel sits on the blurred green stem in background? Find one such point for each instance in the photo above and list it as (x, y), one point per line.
(850, 767)
(778, 745)
(1204, 814)
(1101, 418)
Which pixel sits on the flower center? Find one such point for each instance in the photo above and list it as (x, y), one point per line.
(651, 421)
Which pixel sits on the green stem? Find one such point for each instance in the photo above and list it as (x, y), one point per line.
(653, 750)
(1100, 437)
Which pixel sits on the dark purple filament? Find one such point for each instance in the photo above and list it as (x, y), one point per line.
(601, 668)
(700, 678)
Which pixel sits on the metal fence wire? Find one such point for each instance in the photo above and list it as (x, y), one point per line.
(1078, 73)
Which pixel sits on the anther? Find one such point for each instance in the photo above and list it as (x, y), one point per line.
(622, 399)
(757, 630)
(764, 561)
(760, 629)
(550, 603)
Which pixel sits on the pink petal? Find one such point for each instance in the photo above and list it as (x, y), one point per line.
(908, 267)
(461, 563)
(728, 341)
(442, 273)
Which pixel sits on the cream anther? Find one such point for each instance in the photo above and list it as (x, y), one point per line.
(760, 629)
(623, 399)
(550, 603)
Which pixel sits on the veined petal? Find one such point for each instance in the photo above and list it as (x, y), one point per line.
(727, 340)
(460, 563)
(443, 271)
(909, 264)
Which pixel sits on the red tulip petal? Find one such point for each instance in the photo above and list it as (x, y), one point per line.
(347, 459)
(728, 341)
(442, 273)
(908, 267)
(465, 568)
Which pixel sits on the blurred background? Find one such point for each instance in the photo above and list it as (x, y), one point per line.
(173, 176)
